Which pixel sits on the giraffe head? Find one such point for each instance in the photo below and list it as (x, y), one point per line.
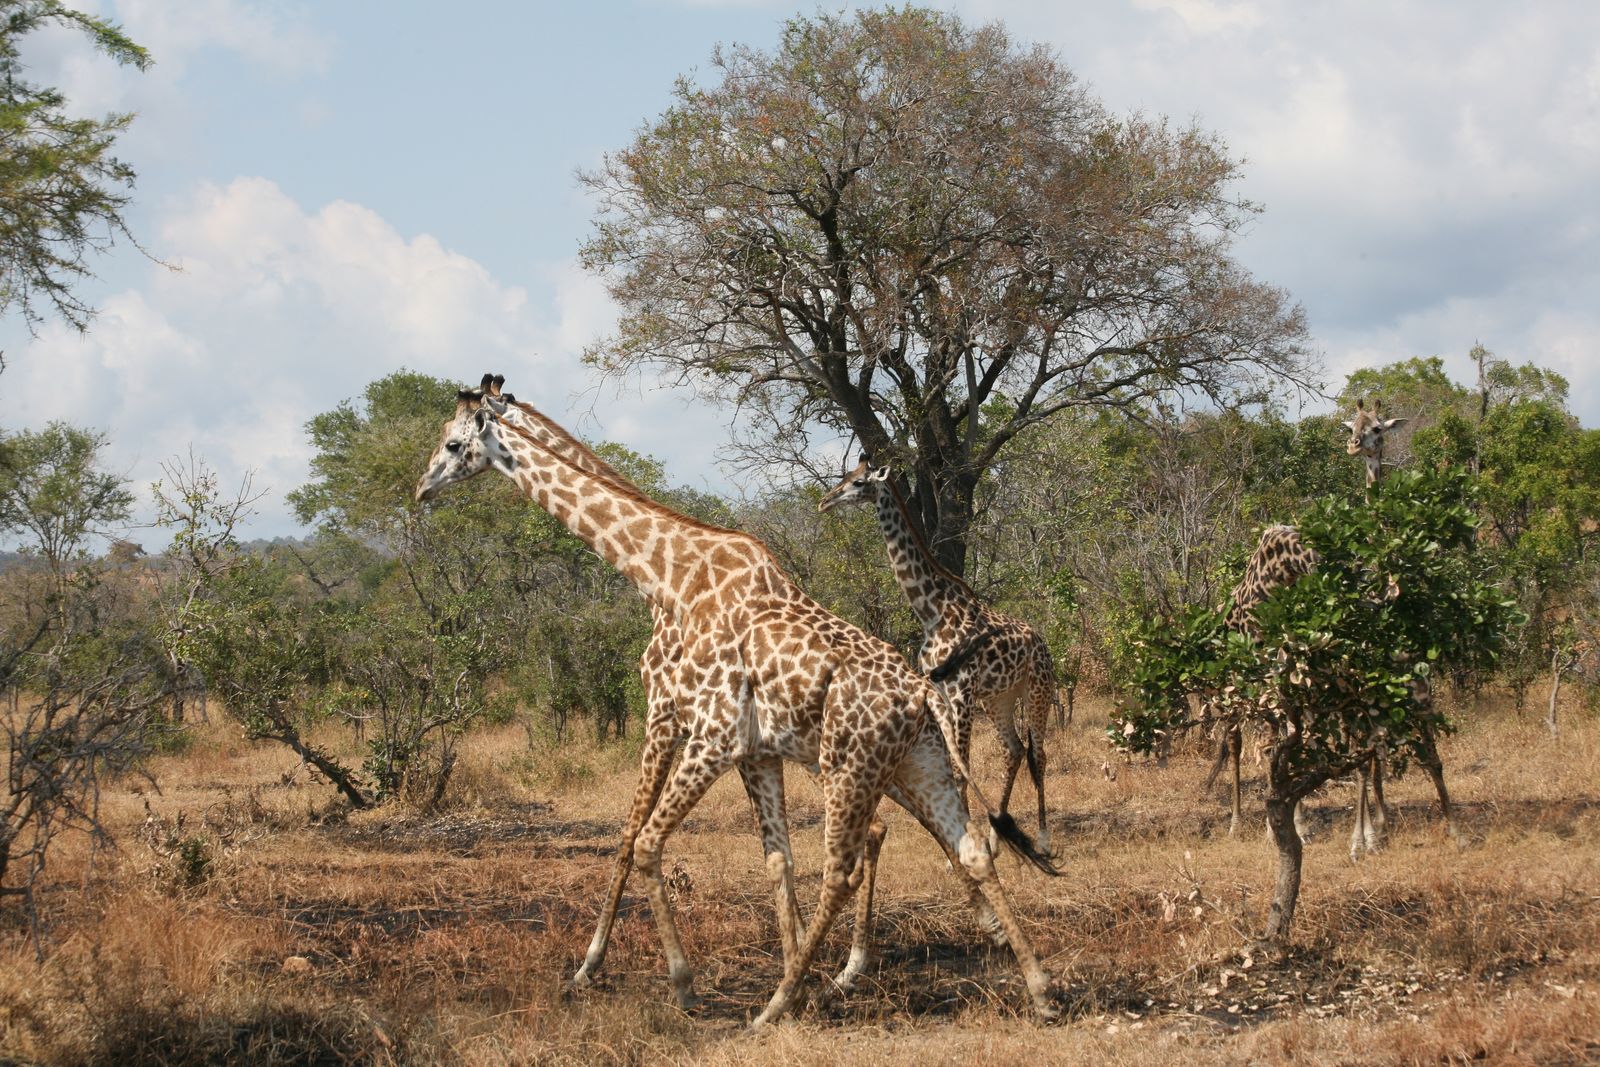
(470, 442)
(860, 484)
(1367, 429)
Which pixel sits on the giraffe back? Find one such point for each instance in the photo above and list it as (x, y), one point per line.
(1280, 558)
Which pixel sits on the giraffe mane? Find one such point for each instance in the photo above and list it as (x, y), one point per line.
(922, 546)
(632, 492)
(560, 433)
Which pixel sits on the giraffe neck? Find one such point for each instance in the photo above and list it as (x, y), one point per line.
(927, 585)
(676, 562)
(553, 436)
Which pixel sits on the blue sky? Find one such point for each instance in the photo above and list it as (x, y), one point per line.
(353, 187)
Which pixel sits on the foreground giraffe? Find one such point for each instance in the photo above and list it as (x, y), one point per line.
(1013, 667)
(765, 674)
(664, 732)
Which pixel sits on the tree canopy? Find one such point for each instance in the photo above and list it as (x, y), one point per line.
(62, 192)
(930, 237)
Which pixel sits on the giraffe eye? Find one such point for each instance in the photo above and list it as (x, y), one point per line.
(452, 446)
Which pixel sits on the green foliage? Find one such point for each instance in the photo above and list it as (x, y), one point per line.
(261, 649)
(367, 458)
(62, 192)
(53, 492)
(1411, 385)
(1347, 653)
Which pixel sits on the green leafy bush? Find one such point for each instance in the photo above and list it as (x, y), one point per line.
(1343, 668)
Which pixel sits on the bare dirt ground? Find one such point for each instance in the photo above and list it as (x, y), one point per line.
(292, 933)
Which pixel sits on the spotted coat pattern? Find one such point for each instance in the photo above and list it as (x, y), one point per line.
(765, 674)
(664, 731)
(1011, 673)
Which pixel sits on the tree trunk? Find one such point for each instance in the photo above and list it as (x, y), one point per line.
(341, 778)
(1555, 689)
(1280, 821)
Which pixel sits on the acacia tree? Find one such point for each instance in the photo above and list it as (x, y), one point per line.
(56, 498)
(62, 192)
(894, 219)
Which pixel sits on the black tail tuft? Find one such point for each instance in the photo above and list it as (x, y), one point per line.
(961, 653)
(1020, 843)
(1035, 771)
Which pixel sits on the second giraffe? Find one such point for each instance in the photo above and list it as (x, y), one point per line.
(1012, 672)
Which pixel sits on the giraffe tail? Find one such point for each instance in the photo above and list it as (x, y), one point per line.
(1006, 828)
(959, 655)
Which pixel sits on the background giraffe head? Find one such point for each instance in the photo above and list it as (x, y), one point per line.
(860, 484)
(1367, 430)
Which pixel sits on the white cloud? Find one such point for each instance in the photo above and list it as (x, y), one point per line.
(270, 36)
(278, 313)
(273, 38)
(1428, 170)
(1207, 16)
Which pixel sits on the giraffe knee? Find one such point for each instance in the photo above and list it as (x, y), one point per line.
(647, 855)
(975, 854)
(836, 877)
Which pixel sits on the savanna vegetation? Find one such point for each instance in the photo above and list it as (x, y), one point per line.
(352, 796)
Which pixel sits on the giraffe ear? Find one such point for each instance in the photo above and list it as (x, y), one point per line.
(481, 419)
(1390, 424)
(879, 474)
(1349, 424)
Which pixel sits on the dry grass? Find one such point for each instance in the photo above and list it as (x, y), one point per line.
(394, 937)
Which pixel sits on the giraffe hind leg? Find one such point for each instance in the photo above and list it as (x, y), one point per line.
(763, 783)
(1040, 697)
(923, 781)
(1002, 710)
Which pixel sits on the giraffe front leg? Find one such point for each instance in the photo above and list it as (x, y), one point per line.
(661, 740)
(1363, 835)
(702, 764)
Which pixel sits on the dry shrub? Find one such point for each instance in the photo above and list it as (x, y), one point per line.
(165, 982)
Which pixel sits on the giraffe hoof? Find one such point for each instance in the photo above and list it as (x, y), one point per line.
(581, 980)
(841, 986)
